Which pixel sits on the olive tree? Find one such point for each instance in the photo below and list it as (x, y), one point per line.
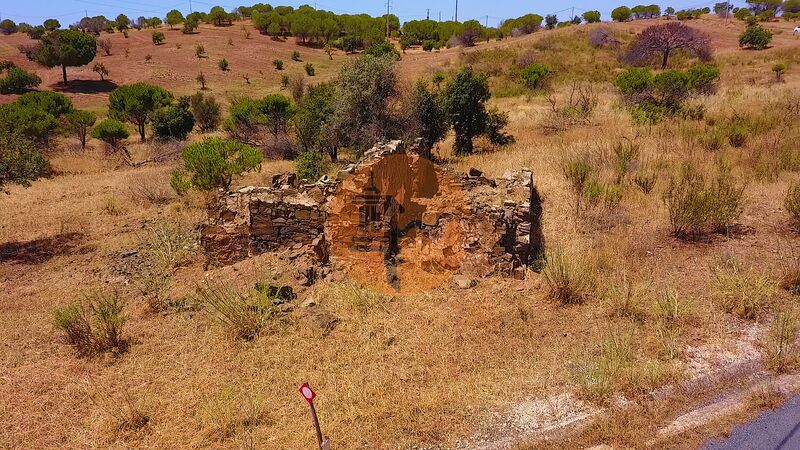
(662, 40)
(51, 24)
(136, 102)
(65, 48)
(465, 104)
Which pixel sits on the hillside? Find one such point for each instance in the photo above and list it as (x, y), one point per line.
(454, 367)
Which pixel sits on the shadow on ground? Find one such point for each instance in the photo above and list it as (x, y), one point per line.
(86, 87)
(40, 250)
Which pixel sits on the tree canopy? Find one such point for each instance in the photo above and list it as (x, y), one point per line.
(66, 48)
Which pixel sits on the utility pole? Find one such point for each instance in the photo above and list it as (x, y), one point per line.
(428, 14)
(456, 17)
(572, 16)
(388, 33)
(486, 24)
(440, 16)
(190, 6)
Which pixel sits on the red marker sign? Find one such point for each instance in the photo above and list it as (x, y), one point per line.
(307, 392)
(309, 395)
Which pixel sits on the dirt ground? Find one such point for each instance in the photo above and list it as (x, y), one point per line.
(446, 368)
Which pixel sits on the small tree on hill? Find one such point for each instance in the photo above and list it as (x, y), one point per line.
(101, 70)
(621, 14)
(202, 80)
(465, 103)
(8, 26)
(78, 122)
(779, 70)
(136, 102)
(174, 17)
(66, 48)
(550, 21)
(223, 65)
(591, 16)
(199, 51)
(51, 24)
(123, 22)
(663, 40)
(213, 162)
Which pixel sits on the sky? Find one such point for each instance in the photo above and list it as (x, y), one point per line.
(486, 11)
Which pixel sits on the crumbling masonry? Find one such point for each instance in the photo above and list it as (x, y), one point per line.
(500, 234)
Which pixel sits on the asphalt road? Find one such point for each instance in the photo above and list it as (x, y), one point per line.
(779, 429)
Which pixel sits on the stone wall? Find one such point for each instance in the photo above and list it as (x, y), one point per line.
(501, 233)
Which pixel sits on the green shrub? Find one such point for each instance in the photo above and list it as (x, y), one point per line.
(111, 132)
(755, 37)
(136, 102)
(278, 64)
(207, 112)
(310, 71)
(779, 70)
(16, 80)
(703, 78)
(172, 122)
(625, 153)
(311, 165)
(158, 37)
(223, 65)
(496, 122)
(737, 132)
(427, 45)
(21, 160)
(214, 161)
(534, 75)
(51, 102)
(94, 326)
(295, 55)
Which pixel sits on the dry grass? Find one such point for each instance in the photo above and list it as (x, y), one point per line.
(385, 366)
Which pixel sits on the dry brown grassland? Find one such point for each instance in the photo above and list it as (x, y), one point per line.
(445, 368)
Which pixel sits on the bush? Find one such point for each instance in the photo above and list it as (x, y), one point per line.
(310, 71)
(213, 162)
(703, 78)
(278, 64)
(746, 295)
(245, 317)
(534, 75)
(111, 131)
(311, 165)
(223, 65)
(496, 121)
(158, 37)
(755, 37)
(21, 160)
(567, 277)
(781, 342)
(696, 207)
(16, 80)
(95, 327)
(136, 102)
(427, 45)
(207, 112)
(465, 103)
(172, 122)
(779, 70)
(295, 55)
(383, 49)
